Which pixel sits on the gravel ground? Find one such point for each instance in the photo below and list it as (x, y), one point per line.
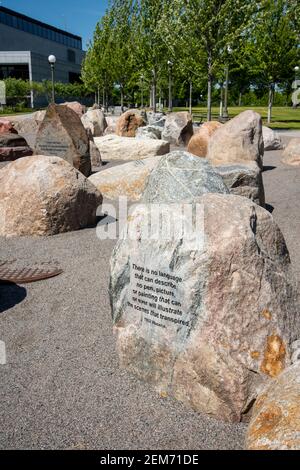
(62, 387)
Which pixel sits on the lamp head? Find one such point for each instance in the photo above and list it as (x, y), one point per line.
(51, 59)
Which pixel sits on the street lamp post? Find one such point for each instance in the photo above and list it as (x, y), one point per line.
(52, 61)
(225, 108)
(170, 64)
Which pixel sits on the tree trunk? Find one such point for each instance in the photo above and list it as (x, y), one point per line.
(103, 98)
(240, 99)
(209, 89)
(122, 98)
(154, 91)
(209, 86)
(271, 96)
(191, 97)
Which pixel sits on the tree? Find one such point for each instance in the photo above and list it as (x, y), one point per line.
(273, 49)
(205, 28)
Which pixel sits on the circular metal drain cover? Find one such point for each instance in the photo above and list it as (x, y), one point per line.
(13, 271)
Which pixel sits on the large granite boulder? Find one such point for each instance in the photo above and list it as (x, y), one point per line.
(113, 147)
(94, 121)
(272, 140)
(62, 134)
(180, 176)
(178, 128)
(199, 142)
(149, 132)
(207, 317)
(291, 154)
(239, 140)
(41, 195)
(7, 127)
(275, 421)
(127, 180)
(244, 179)
(129, 122)
(156, 119)
(12, 147)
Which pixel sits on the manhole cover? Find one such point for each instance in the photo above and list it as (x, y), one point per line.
(13, 271)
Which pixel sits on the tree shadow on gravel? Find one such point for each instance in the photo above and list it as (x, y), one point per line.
(11, 294)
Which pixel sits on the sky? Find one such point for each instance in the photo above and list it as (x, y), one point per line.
(76, 16)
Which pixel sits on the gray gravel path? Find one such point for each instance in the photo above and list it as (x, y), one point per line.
(62, 387)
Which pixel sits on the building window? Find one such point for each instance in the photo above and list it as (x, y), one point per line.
(71, 56)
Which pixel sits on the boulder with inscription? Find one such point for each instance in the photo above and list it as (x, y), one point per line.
(178, 128)
(41, 195)
(129, 122)
(180, 176)
(12, 147)
(94, 121)
(275, 421)
(272, 140)
(128, 180)
(244, 179)
(203, 302)
(113, 147)
(291, 154)
(62, 134)
(239, 140)
(199, 142)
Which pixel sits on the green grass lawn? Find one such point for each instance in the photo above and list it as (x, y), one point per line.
(282, 117)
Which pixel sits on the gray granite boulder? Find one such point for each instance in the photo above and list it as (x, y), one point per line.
(244, 179)
(178, 128)
(180, 176)
(149, 132)
(272, 140)
(208, 323)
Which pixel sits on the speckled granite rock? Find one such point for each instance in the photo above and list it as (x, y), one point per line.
(275, 422)
(42, 195)
(239, 140)
(113, 147)
(180, 176)
(209, 325)
(125, 180)
(244, 179)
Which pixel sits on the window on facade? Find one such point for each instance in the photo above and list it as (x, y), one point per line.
(38, 30)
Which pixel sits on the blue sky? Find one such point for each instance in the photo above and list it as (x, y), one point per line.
(77, 16)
